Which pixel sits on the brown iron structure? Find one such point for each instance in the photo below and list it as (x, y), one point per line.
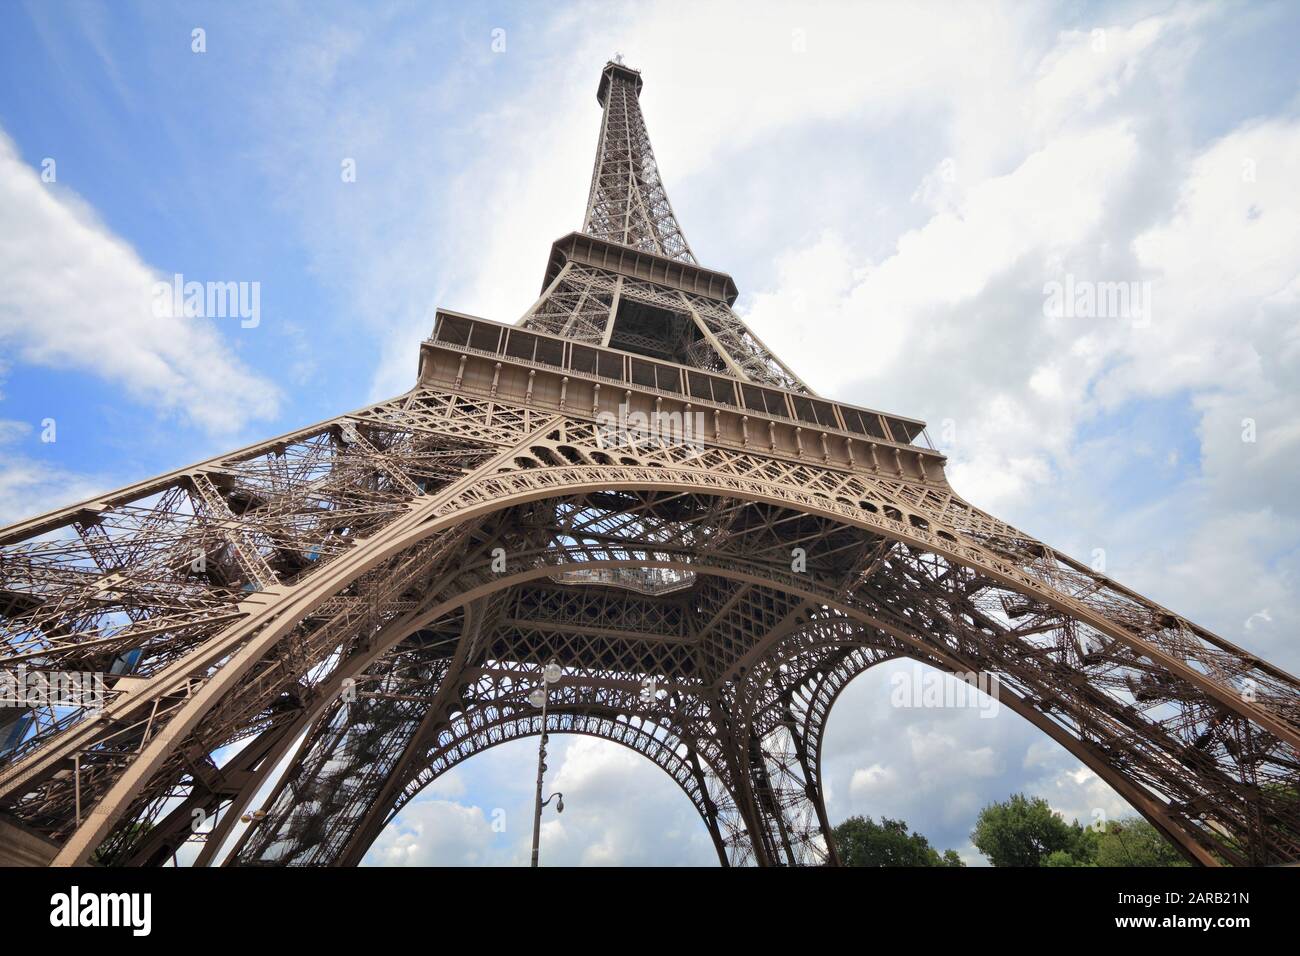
(362, 604)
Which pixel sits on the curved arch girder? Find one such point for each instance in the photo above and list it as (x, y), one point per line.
(1161, 687)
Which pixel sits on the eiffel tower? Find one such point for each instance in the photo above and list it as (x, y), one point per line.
(627, 484)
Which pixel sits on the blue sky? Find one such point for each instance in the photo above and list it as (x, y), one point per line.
(891, 187)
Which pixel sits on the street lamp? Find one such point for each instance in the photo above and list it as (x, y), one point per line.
(539, 697)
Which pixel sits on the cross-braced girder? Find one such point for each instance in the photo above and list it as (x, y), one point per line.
(733, 522)
(599, 307)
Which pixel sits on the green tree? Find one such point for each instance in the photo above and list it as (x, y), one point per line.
(863, 842)
(1062, 858)
(1026, 832)
(1132, 841)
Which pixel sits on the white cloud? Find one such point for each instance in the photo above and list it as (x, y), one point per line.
(435, 833)
(75, 296)
(620, 809)
(868, 780)
(11, 431)
(29, 486)
(936, 768)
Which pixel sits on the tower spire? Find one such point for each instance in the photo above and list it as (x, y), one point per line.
(627, 203)
(629, 280)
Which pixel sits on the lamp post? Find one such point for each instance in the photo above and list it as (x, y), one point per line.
(551, 673)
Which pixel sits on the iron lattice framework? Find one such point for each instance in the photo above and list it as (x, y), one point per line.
(358, 606)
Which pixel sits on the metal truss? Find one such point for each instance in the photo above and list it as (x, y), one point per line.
(628, 206)
(627, 203)
(590, 305)
(341, 614)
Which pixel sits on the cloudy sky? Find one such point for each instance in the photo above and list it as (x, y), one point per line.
(895, 188)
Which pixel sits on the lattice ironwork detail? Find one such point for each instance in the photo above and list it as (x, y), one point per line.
(628, 203)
